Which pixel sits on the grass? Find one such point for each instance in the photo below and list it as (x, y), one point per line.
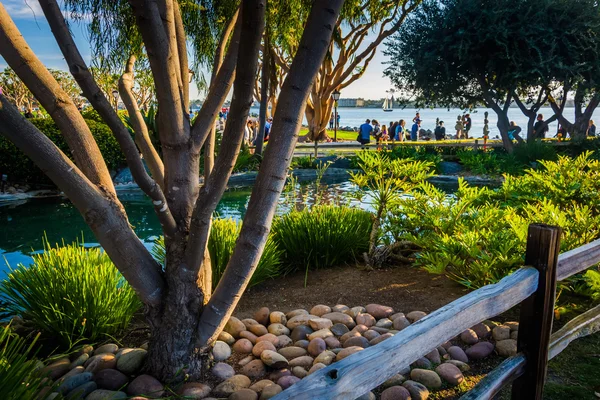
(341, 135)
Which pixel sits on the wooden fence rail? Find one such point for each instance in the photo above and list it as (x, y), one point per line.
(359, 373)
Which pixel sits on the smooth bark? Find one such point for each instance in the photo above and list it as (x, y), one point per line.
(264, 101)
(272, 175)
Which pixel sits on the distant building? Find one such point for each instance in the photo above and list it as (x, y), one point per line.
(351, 102)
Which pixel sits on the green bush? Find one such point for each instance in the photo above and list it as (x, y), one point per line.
(418, 153)
(246, 161)
(223, 235)
(19, 167)
(324, 236)
(18, 369)
(70, 293)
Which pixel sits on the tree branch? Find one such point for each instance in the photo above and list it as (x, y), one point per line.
(103, 214)
(273, 171)
(94, 94)
(182, 53)
(57, 103)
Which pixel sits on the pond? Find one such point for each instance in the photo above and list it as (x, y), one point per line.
(23, 225)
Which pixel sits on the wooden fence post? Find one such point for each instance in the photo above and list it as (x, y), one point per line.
(537, 311)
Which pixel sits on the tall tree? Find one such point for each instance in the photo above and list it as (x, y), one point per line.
(15, 90)
(185, 318)
(463, 53)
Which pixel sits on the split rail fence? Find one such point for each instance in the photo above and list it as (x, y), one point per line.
(533, 287)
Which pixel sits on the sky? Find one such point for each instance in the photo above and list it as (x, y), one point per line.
(30, 20)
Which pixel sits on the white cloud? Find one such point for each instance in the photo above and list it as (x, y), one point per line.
(27, 9)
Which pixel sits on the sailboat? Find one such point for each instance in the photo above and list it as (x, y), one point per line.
(388, 104)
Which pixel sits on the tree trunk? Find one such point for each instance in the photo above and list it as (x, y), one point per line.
(264, 100)
(503, 126)
(530, 129)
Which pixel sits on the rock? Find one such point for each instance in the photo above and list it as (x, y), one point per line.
(111, 379)
(194, 390)
(299, 320)
(274, 359)
(278, 329)
(506, 348)
(80, 360)
(56, 369)
(339, 329)
(450, 373)
(482, 330)
(480, 350)
(367, 396)
(287, 381)
(514, 326)
(349, 335)
(381, 338)
(422, 363)
(231, 385)
(396, 393)
(332, 342)
(269, 337)
(100, 362)
(249, 335)
(384, 323)
(304, 361)
(347, 352)
(103, 394)
(417, 390)
(316, 367)
(414, 316)
(434, 356)
(107, 348)
(395, 380)
(320, 323)
(340, 318)
(316, 347)
(292, 352)
(449, 167)
(246, 360)
(254, 369)
(284, 340)
(302, 343)
(132, 360)
(326, 358)
(221, 351)
(469, 337)
(447, 345)
(459, 364)
(277, 317)
(400, 322)
(380, 330)
(378, 311)
(244, 394)
(299, 372)
(321, 333)
(514, 335)
(262, 346)
(145, 385)
(75, 371)
(279, 373)
(294, 313)
(301, 332)
(357, 341)
(81, 392)
(270, 391)
(262, 316)
(243, 346)
(234, 327)
(74, 381)
(442, 351)
(501, 332)
(339, 308)
(260, 385)
(458, 354)
(254, 327)
(354, 311)
(365, 319)
(320, 310)
(222, 371)
(226, 337)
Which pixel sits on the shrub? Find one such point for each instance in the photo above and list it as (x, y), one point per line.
(19, 167)
(480, 162)
(246, 161)
(70, 293)
(18, 378)
(418, 153)
(223, 235)
(324, 236)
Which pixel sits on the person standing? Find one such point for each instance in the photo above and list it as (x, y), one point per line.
(467, 124)
(540, 128)
(376, 130)
(268, 125)
(417, 117)
(392, 130)
(459, 127)
(401, 131)
(440, 131)
(591, 131)
(364, 133)
(414, 133)
(331, 121)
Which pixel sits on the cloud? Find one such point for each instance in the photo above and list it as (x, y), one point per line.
(25, 9)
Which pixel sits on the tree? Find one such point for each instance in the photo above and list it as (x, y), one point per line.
(15, 90)
(184, 316)
(463, 53)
